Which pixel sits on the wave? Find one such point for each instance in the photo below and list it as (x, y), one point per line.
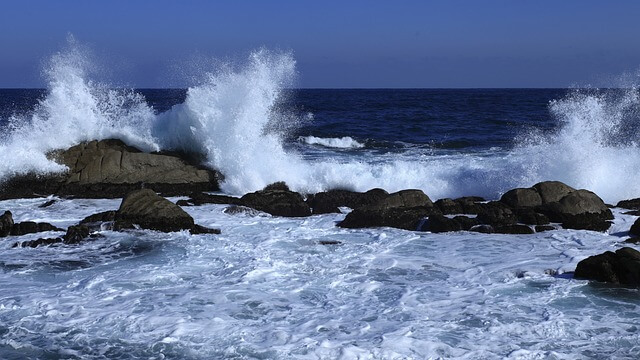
(234, 117)
(345, 142)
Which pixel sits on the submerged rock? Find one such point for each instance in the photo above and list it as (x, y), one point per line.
(109, 169)
(621, 267)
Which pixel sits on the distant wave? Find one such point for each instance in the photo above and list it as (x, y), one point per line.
(346, 142)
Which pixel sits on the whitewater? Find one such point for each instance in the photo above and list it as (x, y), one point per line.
(269, 287)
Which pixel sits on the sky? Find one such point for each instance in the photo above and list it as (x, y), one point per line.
(337, 44)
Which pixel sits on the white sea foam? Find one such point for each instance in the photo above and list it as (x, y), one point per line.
(345, 142)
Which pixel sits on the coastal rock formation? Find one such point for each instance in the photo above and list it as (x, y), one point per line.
(580, 209)
(518, 198)
(110, 168)
(404, 210)
(8, 227)
(278, 201)
(635, 228)
(330, 201)
(621, 267)
(6, 223)
(147, 210)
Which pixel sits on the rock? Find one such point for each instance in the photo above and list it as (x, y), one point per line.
(482, 228)
(635, 228)
(203, 198)
(449, 206)
(330, 201)
(110, 169)
(513, 229)
(466, 222)
(105, 216)
(621, 267)
(496, 213)
(238, 209)
(47, 204)
(632, 204)
(38, 242)
(30, 227)
(552, 191)
(403, 210)
(530, 217)
(198, 229)
(441, 223)
(522, 198)
(147, 210)
(76, 234)
(470, 204)
(278, 185)
(633, 240)
(6, 223)
(329, 242)
(277, 202)
(580, 209)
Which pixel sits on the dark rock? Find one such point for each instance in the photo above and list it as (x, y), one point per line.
(635, 228)
(441, 223)
(633, 240)
(279, 185)
(588, 221)
(632, 212)
(30, 227)
(144, 208)
(470, 204)
(76, 234)
(552, 191)
(621, 267)
(530, 217)
(496, 213)
(541, 228)
(403, 210)
(465, 222)
(482, 228)
(203, 198)
(513, 229)
(38, 242)
(105, 216)
(47, 204)
(522, 198)
(110, 169)
(238, 209)
(329, 242)
(330, 201)
(449, 206)
(277, 202)
(198, 229)
(632, 204)
(580, 209)
(6, 223)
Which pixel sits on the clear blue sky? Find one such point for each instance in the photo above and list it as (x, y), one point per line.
(448, 43)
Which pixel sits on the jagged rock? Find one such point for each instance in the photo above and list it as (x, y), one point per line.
(580, 209)
(277, 202)
(621, 267)
(147, 210)
(449, 206)
(6, 223)
(552, 191)
(404, 210)
(522, 198)
(513, 229)
(330, 201)
(632, 204)
(110, 168)
(496, 213)
(30, 227)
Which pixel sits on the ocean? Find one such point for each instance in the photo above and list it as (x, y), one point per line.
(266, 287)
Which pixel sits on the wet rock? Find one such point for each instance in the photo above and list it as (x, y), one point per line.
(635, 228)
(278, 185)
(552, 191)
(482, 228)
(30, 227)
(470, 204)
(449, 206)
(6, 223)
(329, 242)
(38, 242)
(203, 198)
(580, 209)
(47, 204)
(76, 234)
(440, 224)
(277, 202)
(522, 198)
(513, 229)
(541, 228)
(531, 217)
(621, 267)
(330, 201)
(144, 208)
(466, 222)
(243, 210)
(633, 240)
(199, 229)
(631, 204)
(105, 216)
(403, 210)
(110, 169)
(496, 213)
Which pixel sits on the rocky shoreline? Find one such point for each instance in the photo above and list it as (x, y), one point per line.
(111, 169)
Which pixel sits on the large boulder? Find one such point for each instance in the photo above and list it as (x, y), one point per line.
(6, 223)
(330, 201)
(110, 168)
(552, 191)
(403, 210)
(580, 209)
(145, 209)
(631, 204)
(621, 267)
(277, 201)
(635, 228)
(522, 198)
(496, 213)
